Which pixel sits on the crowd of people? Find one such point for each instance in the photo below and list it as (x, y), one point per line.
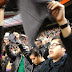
(52, 51)
(42, 40)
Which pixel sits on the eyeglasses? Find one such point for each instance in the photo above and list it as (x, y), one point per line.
(53, 45)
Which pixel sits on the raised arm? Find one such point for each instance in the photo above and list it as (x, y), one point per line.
(25, 52)
(1, 27)
(2, 3)
(10, 53)
(58, 12)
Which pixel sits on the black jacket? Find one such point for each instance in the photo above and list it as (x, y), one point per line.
(65, 63)
(67, 67)
(44, 50)
(5, 62)
(1, 39)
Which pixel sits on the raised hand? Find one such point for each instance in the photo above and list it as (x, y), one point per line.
(57, 10)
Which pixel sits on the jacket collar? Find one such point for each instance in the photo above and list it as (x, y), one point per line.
(60, 62)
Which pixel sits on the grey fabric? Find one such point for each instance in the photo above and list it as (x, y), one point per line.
(33, 13)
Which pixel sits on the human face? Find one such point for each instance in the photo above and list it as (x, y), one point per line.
(39, 43)
(35, 59)
(55, 50)
(16, 35)
(6, 41)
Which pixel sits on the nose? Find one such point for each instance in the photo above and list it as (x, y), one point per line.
(32, 61)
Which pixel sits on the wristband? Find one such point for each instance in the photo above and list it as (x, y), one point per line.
(65, 25)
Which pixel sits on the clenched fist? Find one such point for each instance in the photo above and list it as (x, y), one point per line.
(3, 2)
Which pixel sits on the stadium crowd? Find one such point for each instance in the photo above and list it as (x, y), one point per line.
(42, 39)
(49, 54)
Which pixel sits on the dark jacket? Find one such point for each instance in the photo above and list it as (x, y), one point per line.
(4, 63)
(67, 67)
(44, 50)
(65, 63)
(1, 39)
(44, 66)
(17, 59)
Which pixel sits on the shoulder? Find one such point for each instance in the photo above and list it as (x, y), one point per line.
(44, 66)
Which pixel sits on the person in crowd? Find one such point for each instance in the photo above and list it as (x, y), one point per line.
(5, 39)
(28, 65)
(19, 62)
(17, 59)
(60, 50)
(1, 31)
(39, 42)
(43, 47)
(6, 65)
(34, 57)
(1, 27)
(16, 36)
(23, 39)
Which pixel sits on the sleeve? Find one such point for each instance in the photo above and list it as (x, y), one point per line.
(10, 53)
(25, 52)
(1, 38)
(68, 44)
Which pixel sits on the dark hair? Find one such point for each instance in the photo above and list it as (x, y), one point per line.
(36, 51)
(58, 37)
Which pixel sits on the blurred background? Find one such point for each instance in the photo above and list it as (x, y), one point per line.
(13, 19)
